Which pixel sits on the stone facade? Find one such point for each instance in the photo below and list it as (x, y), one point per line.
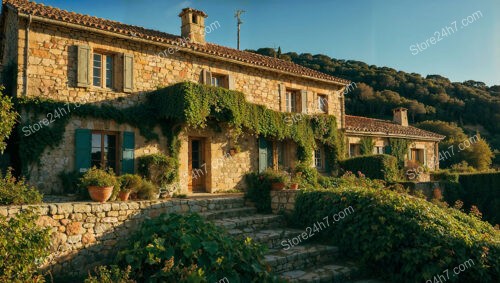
(283, 200)
(52, 73)
(85, 235)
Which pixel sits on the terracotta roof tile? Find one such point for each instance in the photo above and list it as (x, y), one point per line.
(32, 8)
(357, 124)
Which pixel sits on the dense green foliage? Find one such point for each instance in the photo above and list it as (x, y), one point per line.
(367, 145)
(399, 149)
(380, 166)
(23, 247)
(130, 182)
(480, 189)
(8, 117)
(403, 238)
(258, 191)
(112, 274)
(147, 190)
(200, 106)
(186, 248)
(380, 89)
(98, 178)
(16, 192)
(158, 168)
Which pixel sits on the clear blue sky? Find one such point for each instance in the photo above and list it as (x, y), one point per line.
(376, 32)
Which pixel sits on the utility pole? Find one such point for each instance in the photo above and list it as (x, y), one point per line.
(238, 16)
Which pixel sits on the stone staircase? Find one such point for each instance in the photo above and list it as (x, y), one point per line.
(305, 262)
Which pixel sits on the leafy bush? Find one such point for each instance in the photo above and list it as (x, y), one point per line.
(308, 174)
(185, 248)
(130, 182)
(8, 118)
(112, 274)
(482, 190)
(380, 166)
(258, 191)
(407, 238)
(99, 178)
(23, 246)
(159, 169)
(16, 192)
(147, 190)
(70, 181)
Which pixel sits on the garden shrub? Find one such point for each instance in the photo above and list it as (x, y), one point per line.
(130, 182)
(112, 274)
(483, 191)
(159, 169)
(380, 166)
(309, 175)
(70, 181)
(15, 191)
(186, 248)
(259, 191)
(23, 247)
(403, 238)
(147, 190)
(8, 117)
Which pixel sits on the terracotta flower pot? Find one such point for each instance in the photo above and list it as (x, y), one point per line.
(100, 194)
(436, 193)
(232, 152)
(277, 186)
(294, 186)
(123, 195)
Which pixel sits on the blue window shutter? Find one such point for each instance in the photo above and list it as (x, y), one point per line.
(82, 150)
(387, 149)
(128, 153)
(262, 154)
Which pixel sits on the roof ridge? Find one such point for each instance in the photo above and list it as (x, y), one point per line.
(54, 13)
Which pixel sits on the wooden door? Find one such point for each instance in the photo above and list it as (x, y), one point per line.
(197, 166)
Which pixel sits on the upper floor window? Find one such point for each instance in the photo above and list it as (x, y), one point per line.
(322, 103)
(319, 159)
(220, 80)
(103, 70)
(291, 98)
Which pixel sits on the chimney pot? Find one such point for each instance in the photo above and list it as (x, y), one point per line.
(400, 116)
(193, 25)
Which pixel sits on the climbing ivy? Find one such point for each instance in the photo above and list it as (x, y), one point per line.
(367, 145)
(399, 149)
(174, 108)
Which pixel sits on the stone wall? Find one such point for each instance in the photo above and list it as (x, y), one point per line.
(85, 235)
(283, 200)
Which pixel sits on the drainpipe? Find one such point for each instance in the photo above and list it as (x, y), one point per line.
(26, 55)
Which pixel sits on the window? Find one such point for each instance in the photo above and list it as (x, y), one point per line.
(220, 80)
(354, 150)
(322, 103)
(378, 150)
(417, 155)
(291, 101)
(104, 150)
(195, 19)
(319, 159)
(282, 149)
(103, 70)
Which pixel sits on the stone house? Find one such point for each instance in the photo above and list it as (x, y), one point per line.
(79, 59)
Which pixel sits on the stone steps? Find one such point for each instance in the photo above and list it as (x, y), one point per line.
(299, 257)
(324, 273)
(229, 213)
(273, 238)
(248, 224)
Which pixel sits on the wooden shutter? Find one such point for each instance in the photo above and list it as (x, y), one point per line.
(282, 97)
(263, 154)
(83, 71)
(231, 82)
(128, 147)
(303, 97)
(128, 72)
(83, 144)
(206, 77)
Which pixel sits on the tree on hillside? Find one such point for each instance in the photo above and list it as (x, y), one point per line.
(8, 118)
(479, 154)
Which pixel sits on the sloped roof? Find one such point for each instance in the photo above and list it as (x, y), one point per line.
(363, 125)
(31, 8)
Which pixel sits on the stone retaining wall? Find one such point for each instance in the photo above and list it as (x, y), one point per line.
(85, 235)
(283, 200)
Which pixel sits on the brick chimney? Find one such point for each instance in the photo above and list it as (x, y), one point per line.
(193, 25)
(400, 116)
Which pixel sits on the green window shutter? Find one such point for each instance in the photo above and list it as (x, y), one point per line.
(387, 149)
(263, 154)
(128, 72)
(128, 148)
(83, 71)
(83, 144)
(303, 97)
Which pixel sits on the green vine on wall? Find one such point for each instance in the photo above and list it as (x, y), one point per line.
(366, 145)
(399, 149)
(174, 108)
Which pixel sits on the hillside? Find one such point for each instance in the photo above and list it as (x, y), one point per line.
(471, 104)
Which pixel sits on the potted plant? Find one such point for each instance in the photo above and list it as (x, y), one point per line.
(277, 179)
(294, 184)
(100, 183)
(129, 183)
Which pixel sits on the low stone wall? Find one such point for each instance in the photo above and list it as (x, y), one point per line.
(283, 200)
(85, 235)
